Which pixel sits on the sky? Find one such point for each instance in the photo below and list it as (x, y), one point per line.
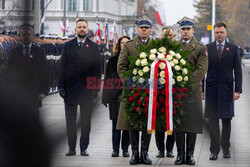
(176, 9)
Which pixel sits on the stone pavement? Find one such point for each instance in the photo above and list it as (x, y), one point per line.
(100, 148)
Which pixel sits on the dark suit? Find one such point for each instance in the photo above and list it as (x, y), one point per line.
(27, 76)
(77, 64)
(160, 137)
(220, 87)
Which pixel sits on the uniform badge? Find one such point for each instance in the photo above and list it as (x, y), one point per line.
(87, 45)
(31, 56)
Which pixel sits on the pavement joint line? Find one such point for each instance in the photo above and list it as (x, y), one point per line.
(158, 162)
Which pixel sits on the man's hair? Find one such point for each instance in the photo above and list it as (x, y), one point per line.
(220, 24)
(167, 28)
(26, 26)
(80, 20)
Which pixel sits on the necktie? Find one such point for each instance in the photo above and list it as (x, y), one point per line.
(81, 43)
(26, 51)
(219, 50)
(184, 43)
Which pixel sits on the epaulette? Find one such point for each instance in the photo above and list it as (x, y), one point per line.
(200, 43)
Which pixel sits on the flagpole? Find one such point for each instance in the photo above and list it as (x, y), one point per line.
(213, 17)
(64, 18)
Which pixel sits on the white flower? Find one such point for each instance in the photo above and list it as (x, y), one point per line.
(172, 64)
(152, 57)
(178, 56)
(162, 66)
(153, 51)
(141, 80)
(162, 49)
(162, 74)
(173, 81)
(162, 80)
(172, 53)
(175, 61)
(169, 57)
(135, 71)
(134, 79)
(184, 71)
(140, 72)
(144, 62)
(177, 68)
(185, 78)
(143, 55)
(179, 78)
(161, 56)
(146, 69)
(183, 61)
(138, 62)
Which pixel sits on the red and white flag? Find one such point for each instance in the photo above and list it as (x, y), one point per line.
(42, 19)
(160, 17)
(98, 37)
(64, 27)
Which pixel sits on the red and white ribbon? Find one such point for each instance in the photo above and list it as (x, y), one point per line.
(152, 108)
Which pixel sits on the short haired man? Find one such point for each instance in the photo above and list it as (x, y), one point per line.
(222, 89)
(131, 49)
(80, 60)
(27, 71)
(192, 123)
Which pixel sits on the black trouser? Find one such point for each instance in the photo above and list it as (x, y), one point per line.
(160, 137)
(85, 120)
(116, 137)
(134, 139)
(190, 143)
(214, 131)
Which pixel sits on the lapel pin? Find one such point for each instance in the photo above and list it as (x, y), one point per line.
(87, 45)
(31, 56)
(227, 49)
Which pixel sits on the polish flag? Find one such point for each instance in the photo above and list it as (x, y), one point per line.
(98, 37)
(160, 17)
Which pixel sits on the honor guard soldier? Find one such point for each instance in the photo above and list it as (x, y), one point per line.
(192, 123)
(144, 26)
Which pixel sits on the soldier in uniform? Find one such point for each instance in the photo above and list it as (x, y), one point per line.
(192, 123)
(131, 49)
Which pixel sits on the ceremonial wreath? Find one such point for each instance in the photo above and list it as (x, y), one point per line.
(157, 82)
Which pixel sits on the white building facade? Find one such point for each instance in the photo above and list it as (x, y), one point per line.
(14, 12)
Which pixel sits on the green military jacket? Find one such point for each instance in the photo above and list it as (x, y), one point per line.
(130, 49)
(193, 105)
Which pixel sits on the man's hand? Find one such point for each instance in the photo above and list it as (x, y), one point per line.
(203, 96)
(42, 96)
(62, 92)
(236, 95)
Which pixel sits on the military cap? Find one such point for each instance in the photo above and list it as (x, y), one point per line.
(186, 22)
(144, 22)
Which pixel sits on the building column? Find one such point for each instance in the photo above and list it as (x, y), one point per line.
(37, 16)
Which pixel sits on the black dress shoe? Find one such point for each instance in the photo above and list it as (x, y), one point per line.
(125, 153)
(213, 156)
(145, 159)
(160, 154)
(226, 154)
(115, 154)
(84, 153)
(134, 159)
(170, 154)
(70, 153)
(190, 160)
(179, 160)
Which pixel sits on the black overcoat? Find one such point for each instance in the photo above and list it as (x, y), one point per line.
(224, 77)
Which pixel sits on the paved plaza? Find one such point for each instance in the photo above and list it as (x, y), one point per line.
(100, 148)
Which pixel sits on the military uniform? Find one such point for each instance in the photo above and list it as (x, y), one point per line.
(131, 49)
(192, 123)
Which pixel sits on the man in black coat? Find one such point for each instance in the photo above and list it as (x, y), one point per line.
(27, 74)
(222, 88)
(79, 69)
